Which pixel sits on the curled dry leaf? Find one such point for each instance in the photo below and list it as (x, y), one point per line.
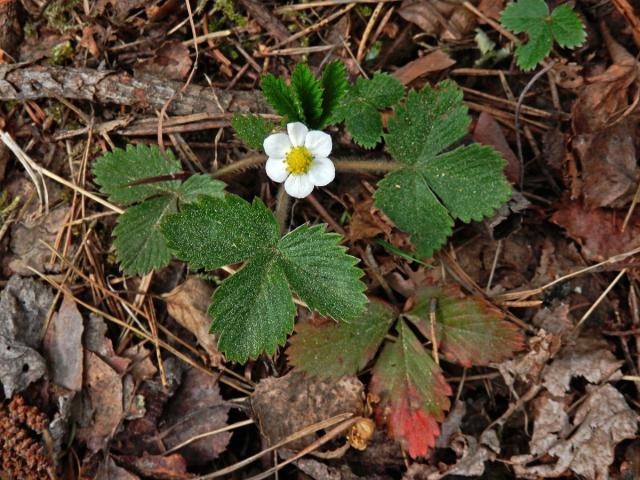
(63, 346)
(187, 304)
(434, 61)
(161, 467)
(449, 21)
(488, 131)
(24, 304)
(587, 448)
(283, 406)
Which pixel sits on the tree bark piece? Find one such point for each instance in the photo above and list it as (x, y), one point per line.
(109, 87)
(10, 28)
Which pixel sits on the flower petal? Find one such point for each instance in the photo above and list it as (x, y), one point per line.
(277, 145)
(322, 172)
(298, 186)
(276, 169)
(297, 133)
(318, 143)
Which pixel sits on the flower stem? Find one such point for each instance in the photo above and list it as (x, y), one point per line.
(346, 164)
(282, 208)
(241, 165)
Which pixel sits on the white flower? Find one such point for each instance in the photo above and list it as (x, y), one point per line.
(299, 159)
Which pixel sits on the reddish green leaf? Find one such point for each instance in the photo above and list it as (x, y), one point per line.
(413, 393)
(469, 331)
(332, 350)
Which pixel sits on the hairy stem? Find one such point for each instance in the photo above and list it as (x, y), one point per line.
(282, 208)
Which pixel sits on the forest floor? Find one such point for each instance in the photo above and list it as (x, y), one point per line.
(117, 377)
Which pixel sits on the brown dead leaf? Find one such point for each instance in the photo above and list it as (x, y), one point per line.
(598, 230)
(367, 221)
(434, 61)
(142, 367)
(589, 358)
(63, 346)
(608, 163)
(568, 75)
(171, 61)
(187, 304)
(27, 237)
(24, 304)
(554, 320)
(121, 8)
(95, 340)
(528, 367)
(103, 407)
(285, 405)
(449, 21)
(111, 471)
(602, 421)
(488, 131)
(197, 408)
(160, 467)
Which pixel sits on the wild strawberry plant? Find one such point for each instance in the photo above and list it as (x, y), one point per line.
(414, 394)
(562, 25)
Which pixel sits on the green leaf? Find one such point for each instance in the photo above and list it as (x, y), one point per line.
(434, 188)
(332, 350)
(427, 123)
(321, 272)
(115, 171)
(334, 85)
(521, 15)
(567, 27)
(140, 245)
(533, 18)
(404, 196)
(281, 98)
(197, 185)
(413, 392)
(468, 180)
(252, 310)
(252, 129)
(469, 331)
(214, 232)
(360, 107)
(308, 91)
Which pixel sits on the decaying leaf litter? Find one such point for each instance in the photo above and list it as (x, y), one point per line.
(113, 376)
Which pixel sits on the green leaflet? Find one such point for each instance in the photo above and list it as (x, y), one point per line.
(469, 331)
(360, 107)
(253, 310)
(434, 188)
(532, 17)
(334, 86)
(332, 350)
(252, 129)
(280, 97)
(139, 243)
(308, 92)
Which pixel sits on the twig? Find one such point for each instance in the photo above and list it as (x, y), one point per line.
(226, 428)
(600, 298)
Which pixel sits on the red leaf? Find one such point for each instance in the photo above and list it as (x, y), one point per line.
(470, 331)
(413, 392)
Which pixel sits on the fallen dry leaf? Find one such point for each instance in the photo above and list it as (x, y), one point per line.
(103, 407)
(432, 15)
(187, 304)
(142, 367)
(160, 467)
(590, 358)
(434, 61)
(197, 408)
(111, 471)
(488, 131)
(63, 346)
(598, 231)
(285, 405)
(171, 61)
(554, 319)
(528, 367)
(602, 421)
(24, 304)
(95, 340)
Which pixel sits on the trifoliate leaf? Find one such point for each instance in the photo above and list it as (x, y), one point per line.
(198, 185)
(434, 188)
(334, 85)
(405, 197)
(567, 27)
(308, 91)
(253, 310)
(360, 107)
(469, 331)
(140, 245)
(333, 350)
(321, 272)
(214, 232)
(115, 172)
(218, 231)
(532, 17)
(281, 98)
(427, 123)
(413, 393)
(252, 129)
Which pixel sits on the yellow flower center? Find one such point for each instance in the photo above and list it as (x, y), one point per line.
(299, 160)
